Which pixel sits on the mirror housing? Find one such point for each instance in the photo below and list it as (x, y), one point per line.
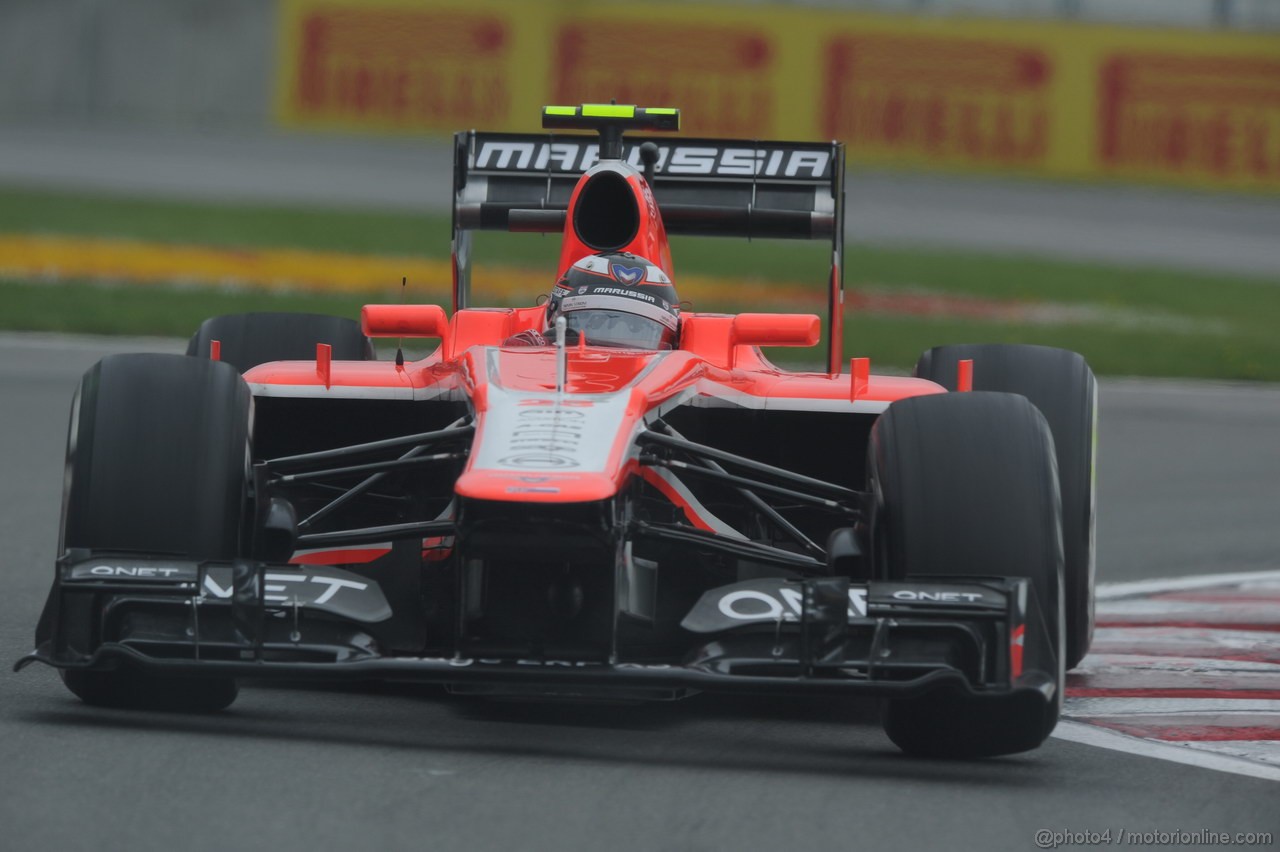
(404, 321)
(776, 329)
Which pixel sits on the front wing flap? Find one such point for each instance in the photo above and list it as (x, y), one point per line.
(825, 635)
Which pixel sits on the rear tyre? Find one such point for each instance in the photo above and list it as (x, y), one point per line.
(1060, 384)
(964, 485)
(157, 463)
(247, 340)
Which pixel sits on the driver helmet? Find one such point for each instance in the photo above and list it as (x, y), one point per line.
(617, 299)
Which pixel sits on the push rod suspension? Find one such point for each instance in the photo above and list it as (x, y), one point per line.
(423, 439)
(743, 482)
(837, 492)
(732, 546)
(758, 503)
(368, 535)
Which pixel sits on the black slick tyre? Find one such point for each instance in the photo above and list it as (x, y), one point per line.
(247, 340)
(157, 464)
(128, 689)
(964, 485)
(1060, 384)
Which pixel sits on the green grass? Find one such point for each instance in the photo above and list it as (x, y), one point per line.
(1134, 321)
(87, 307)
(230, 225)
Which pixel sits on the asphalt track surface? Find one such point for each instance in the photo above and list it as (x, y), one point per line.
(1111, 223)
(1187, 484)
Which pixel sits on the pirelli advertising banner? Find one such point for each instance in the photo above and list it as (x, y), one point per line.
(1049, 99)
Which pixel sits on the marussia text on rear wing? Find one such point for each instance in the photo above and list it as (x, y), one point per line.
(706, 187)
(719, 187)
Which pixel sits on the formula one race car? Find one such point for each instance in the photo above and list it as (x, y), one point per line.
(598, 496)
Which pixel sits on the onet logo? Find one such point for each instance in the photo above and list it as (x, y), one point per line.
(756, 605)
(155, 571)
(276, 585)
(936, 597)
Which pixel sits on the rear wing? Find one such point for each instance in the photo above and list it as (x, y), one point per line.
(709, 187)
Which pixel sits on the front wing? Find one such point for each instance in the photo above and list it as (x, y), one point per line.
(825, 635)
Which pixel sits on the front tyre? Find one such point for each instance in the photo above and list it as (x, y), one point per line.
(1060, 384)
(965, 485)
(157, 464)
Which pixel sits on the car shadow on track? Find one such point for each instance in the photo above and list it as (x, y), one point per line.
(805, 736)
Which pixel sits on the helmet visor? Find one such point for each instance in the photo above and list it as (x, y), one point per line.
(618, 329)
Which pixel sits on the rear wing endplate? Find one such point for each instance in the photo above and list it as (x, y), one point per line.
(708, 187)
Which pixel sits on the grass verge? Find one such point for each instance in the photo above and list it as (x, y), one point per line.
(1133, 321)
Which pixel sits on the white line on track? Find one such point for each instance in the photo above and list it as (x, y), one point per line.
(1114, 591)
(1086, 707)
(1250, 758)
(1095, 663)
(1082, 732)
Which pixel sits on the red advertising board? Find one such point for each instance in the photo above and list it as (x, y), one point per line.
(1214, 116)
(957, 93)
(402, 66)
(719, 76)
(946, 99)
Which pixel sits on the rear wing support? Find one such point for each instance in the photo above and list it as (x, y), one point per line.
(707, 187)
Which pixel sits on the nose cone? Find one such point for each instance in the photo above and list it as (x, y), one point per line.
(534, 445)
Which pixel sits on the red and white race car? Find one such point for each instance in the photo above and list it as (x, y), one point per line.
(600, 495)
